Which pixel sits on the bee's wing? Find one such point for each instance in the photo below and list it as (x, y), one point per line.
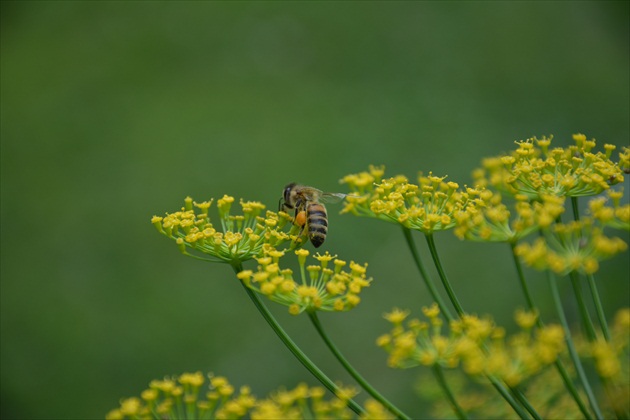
(332, 198)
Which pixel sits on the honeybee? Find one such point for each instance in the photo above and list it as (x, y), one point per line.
(310, 213)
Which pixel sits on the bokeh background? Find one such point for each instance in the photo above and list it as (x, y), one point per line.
(115, 111)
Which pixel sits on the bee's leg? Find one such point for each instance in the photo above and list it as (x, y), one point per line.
(298, 209)
(302, 229)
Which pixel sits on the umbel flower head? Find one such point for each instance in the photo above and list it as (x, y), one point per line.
(611, 360)
(536, 170)
(236, 238)
(303, 402)
(488, 219)
(185, 397)
(427, 206)
(546, 391)
(616, 216)
(476, 343)
(574, 246)
(319, 287)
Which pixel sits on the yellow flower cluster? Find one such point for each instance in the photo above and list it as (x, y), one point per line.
(184, 398)
(487, 218)
(574, 246)
(321, 287)
(624, 160)
(536, 170)
(238, 238)
(427, 206)
(546, 392)
(477, 344)
(611, 360)
(616, 216)
(611, 357)
(304, 402)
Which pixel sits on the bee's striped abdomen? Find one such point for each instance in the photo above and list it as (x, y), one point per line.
(317, 223)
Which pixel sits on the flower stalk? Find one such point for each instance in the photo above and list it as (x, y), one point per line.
(599, 310)
(351, 370)
(441, 380)
(293, 347)
(571, 347)
(568, 382)
(445, 282)
(587, 322)
(425, 276)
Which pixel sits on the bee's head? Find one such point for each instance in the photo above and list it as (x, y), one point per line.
(285, 200)
(287, 194)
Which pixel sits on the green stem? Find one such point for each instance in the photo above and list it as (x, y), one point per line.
(425, 276)
(460, 312)
(439, 375)
(572, 389)
(523, 400)
(568, 383)
(598, 306)
(591, 283)
(508, 397)
(352, 371)
(579, 296)
(555, 293)
(521, 279)
(574, 207)
(297, 352)
(445, 282)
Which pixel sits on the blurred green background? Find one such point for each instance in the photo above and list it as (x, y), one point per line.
(115, 111)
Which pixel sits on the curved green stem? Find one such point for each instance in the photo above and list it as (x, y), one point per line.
(439, 375)
(572, 389)
(579, 296)
(574, 207)
(425, 276)
(568, 383)
(297, 352)
(508, 397)
(521, 279)
(523, 400)
(460, 312)
(555, 293)
(445, 282)
(591, 282)
(352, 371)
(598, 306)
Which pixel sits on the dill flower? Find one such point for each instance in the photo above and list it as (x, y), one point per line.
(574, 246)
(427, 206)
(297, 402)
(234, 239)
(416, 342)
(611, 357)
(477, 344)
(185, 397)
(487, 218)
(545, 392)
(375, 410)
(616, 216)
(330, 285)
(611, 360)
(536, 170)
(624, 159)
